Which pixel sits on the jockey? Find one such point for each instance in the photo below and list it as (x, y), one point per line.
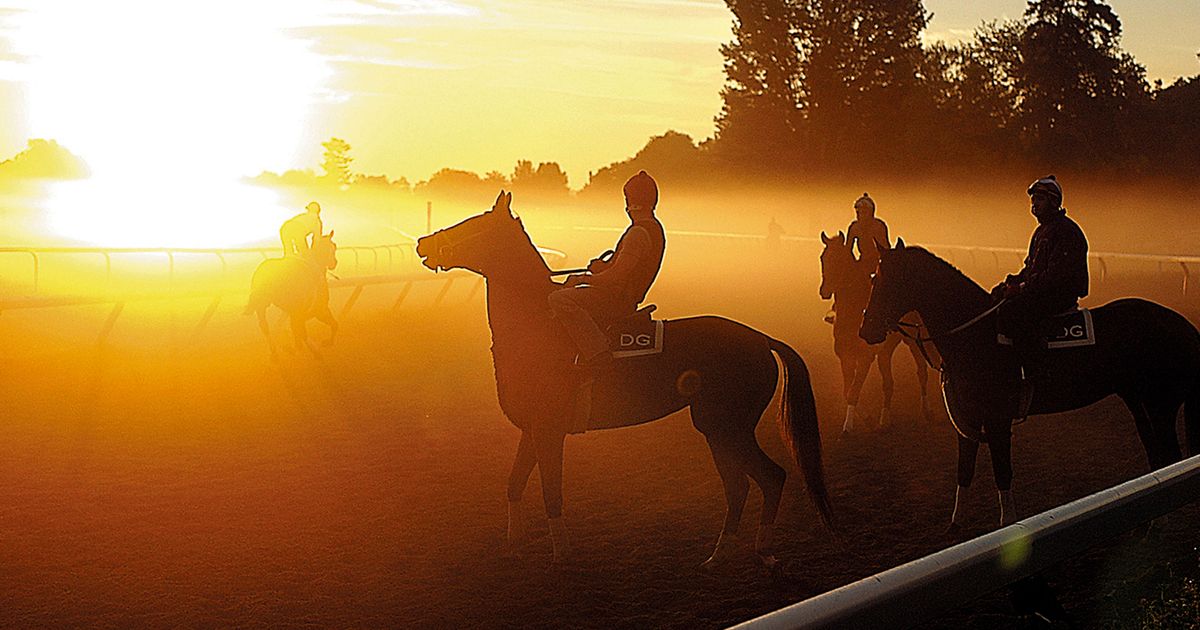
(615, 287)
(867, 231)
(295, 231)
(1053, 279)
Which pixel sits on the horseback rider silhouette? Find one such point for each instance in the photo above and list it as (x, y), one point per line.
(1053, 279)
(868, 232)
(295, 231)
(613, 287)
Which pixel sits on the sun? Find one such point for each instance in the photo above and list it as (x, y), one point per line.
(172, 105)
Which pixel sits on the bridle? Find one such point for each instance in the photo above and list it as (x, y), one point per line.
(446, 247)
(902, 326)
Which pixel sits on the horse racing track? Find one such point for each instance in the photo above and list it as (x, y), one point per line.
(205, 486)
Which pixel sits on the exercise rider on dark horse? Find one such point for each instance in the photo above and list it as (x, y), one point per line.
(1053, 279)
(614, 287)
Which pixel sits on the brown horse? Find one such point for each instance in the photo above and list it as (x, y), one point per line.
(723, 371)
(298, 286)
(848, 281)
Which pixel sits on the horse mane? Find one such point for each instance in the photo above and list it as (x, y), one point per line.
(936, 264)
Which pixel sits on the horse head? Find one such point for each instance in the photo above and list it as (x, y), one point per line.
(837, 263)
(890, 294)
(324, 251)
(471, 244)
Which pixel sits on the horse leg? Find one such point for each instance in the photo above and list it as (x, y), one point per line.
(770, 478)
(325, 316)
(1162, 418)
(266, 331)
(849, 375)
(968, 453)
(1145, 429)
(884, 360)
(922, 378)
(999, 439)
(733, 477)
(854, 374)
(548, 447)
(300, 334)
(518, 478)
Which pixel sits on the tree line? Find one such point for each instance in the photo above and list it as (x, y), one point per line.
(838, 85)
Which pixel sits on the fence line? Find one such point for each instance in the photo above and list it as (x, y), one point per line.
(919, 590)
(1101, 258)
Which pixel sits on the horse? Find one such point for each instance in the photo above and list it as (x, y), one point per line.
(299, 287)
(847, 281)
(723, 371)
(1144, 353)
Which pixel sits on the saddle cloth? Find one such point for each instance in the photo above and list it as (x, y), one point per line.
(1065, 330)
(635, 335)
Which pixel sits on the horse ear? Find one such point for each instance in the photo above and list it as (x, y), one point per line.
(841, 236)
(499, 200)
(508, 203)
(899, 243)
(824, 239)
(330, 234)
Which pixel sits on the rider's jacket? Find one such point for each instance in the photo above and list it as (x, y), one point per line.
(635, 264)
(1056, 268)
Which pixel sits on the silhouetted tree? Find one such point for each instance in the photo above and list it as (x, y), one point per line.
(1076, 85)
(859, 62)
(44, 159)
(336, 161)
(671, 158)
(759, 117)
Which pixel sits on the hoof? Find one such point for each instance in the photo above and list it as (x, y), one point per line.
(771, 566)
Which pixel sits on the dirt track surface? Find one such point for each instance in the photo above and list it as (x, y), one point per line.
(146, 484)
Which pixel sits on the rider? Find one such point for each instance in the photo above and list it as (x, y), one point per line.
(616, 286)
(295, 231)
(1053, 279)
(868, 232)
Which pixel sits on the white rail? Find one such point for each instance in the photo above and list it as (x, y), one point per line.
(911, 593)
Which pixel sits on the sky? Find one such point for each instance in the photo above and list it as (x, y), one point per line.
(413, 85)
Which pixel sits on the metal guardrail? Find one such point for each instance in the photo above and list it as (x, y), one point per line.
(397, 252)
(396, 255)
(1185, 263)
(919, 590)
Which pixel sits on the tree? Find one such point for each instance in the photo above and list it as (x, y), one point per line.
(336, 161)
(763, 79)
(1075, 82)
(859, 64)
(44, 159)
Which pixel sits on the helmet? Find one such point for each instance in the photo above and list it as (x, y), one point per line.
(313, 207)
(641, 191)
(1048, 185)
(865, 201)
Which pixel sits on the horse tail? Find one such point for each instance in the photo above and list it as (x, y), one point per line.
(798, 424)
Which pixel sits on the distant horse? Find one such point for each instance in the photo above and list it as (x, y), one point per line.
(1146, 354)
(848, 281)
(723, 370)
(298, 286)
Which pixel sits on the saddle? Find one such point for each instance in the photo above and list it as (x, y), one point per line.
(634, 335)
(1069, 329)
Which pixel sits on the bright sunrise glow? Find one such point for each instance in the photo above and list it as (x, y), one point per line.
(170, 104)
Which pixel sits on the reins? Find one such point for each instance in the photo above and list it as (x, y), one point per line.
(566, 272)
(921, 341)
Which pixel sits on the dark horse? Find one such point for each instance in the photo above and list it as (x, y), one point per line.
(847, 280)
(1146, 354)
(724, 371)
(298, 286)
